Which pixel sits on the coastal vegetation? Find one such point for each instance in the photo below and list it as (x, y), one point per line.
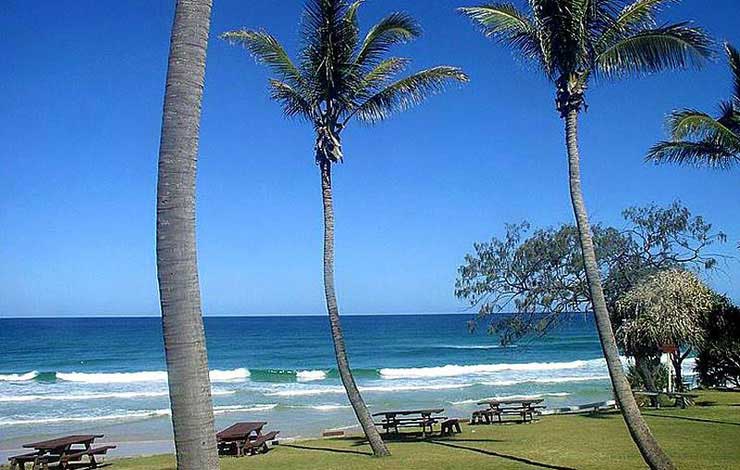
(338, 77)
(718, 361)
(665, 310)
(697, 437)
(177, 270)
(573, 42)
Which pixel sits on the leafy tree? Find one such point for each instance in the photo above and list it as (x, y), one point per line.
(702, 140)
(338, 77)
(541, 277)
(651, 379)
(666, 309)
(177, 270)
(573, 41)
(718, 361)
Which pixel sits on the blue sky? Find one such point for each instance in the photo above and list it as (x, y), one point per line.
(82, 85)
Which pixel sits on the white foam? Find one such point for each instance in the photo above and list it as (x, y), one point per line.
(304, 392)
(229, 375)
(112, 417)
(546, 380)
(219, 410)
(96, 396)
(131, 415)
(310, 375)
(148, 376)
(19, 377)
(113, 377)
(512, 397)
(454, 370)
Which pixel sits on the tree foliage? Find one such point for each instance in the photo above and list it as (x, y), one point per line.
(718, 361)
(525, 285)
(339, 74)
(572, 41)
(700, 139)
(666, 308)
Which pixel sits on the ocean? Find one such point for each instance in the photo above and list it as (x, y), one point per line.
(107, 375)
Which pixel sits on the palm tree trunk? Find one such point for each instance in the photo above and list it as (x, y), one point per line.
(647, 366)
(677, 361)
(345, 373)
(638, 428)
(182, 323)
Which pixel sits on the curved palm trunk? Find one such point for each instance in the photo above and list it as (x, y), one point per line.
(182, 323)
(638, 428)
(353, 393)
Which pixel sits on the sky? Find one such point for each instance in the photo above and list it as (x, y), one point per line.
(82, 85)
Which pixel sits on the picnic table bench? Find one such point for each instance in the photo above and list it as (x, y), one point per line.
(66, 452)
(524, 408)
(681, 399)
(245, 438)
(393, 420)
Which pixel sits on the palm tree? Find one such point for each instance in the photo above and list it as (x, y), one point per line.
(700, 139)
(182, 323)
(572, 41)
(339, 77)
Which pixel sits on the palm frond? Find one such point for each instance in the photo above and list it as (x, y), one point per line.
(505, 23)
(378, 76)
(734, 57)
(394, 29)
(698, 154)
(266, 49)
(652, 50)
(693, 124)
(293, 103)
(352, 23)
(639, 14)
(327, 47)
(406, 93)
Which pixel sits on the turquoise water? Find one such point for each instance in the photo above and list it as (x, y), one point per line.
(108, 375)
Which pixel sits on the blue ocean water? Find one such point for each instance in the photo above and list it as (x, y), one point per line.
(108, 374)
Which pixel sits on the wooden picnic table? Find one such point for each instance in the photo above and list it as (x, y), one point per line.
(425, 420)
(526, 407)
(68, 451)
(237, 437)
(682, 399)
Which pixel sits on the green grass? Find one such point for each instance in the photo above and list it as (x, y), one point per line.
(704, 436)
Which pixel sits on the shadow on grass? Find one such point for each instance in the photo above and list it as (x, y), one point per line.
(328, 449)
(706, 403)
(688, 418)
(596, 415)
(498, 454)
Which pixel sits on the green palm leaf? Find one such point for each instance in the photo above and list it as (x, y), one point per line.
(266, 49)
(633, 17)
(406, 93)
(505, 23)
(693, 154)
(378, 76)
(652, 50)
(394, 29)
(692, 124)
(734, 57)
(293, 103)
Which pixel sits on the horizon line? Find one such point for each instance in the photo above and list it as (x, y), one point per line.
(247, 315)
(261, 315)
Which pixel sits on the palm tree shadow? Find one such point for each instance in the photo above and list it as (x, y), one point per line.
(688, 418)
(595, 416)
(500, 455)
(328, 449)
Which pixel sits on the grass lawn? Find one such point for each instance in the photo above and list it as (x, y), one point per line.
(704, 436)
